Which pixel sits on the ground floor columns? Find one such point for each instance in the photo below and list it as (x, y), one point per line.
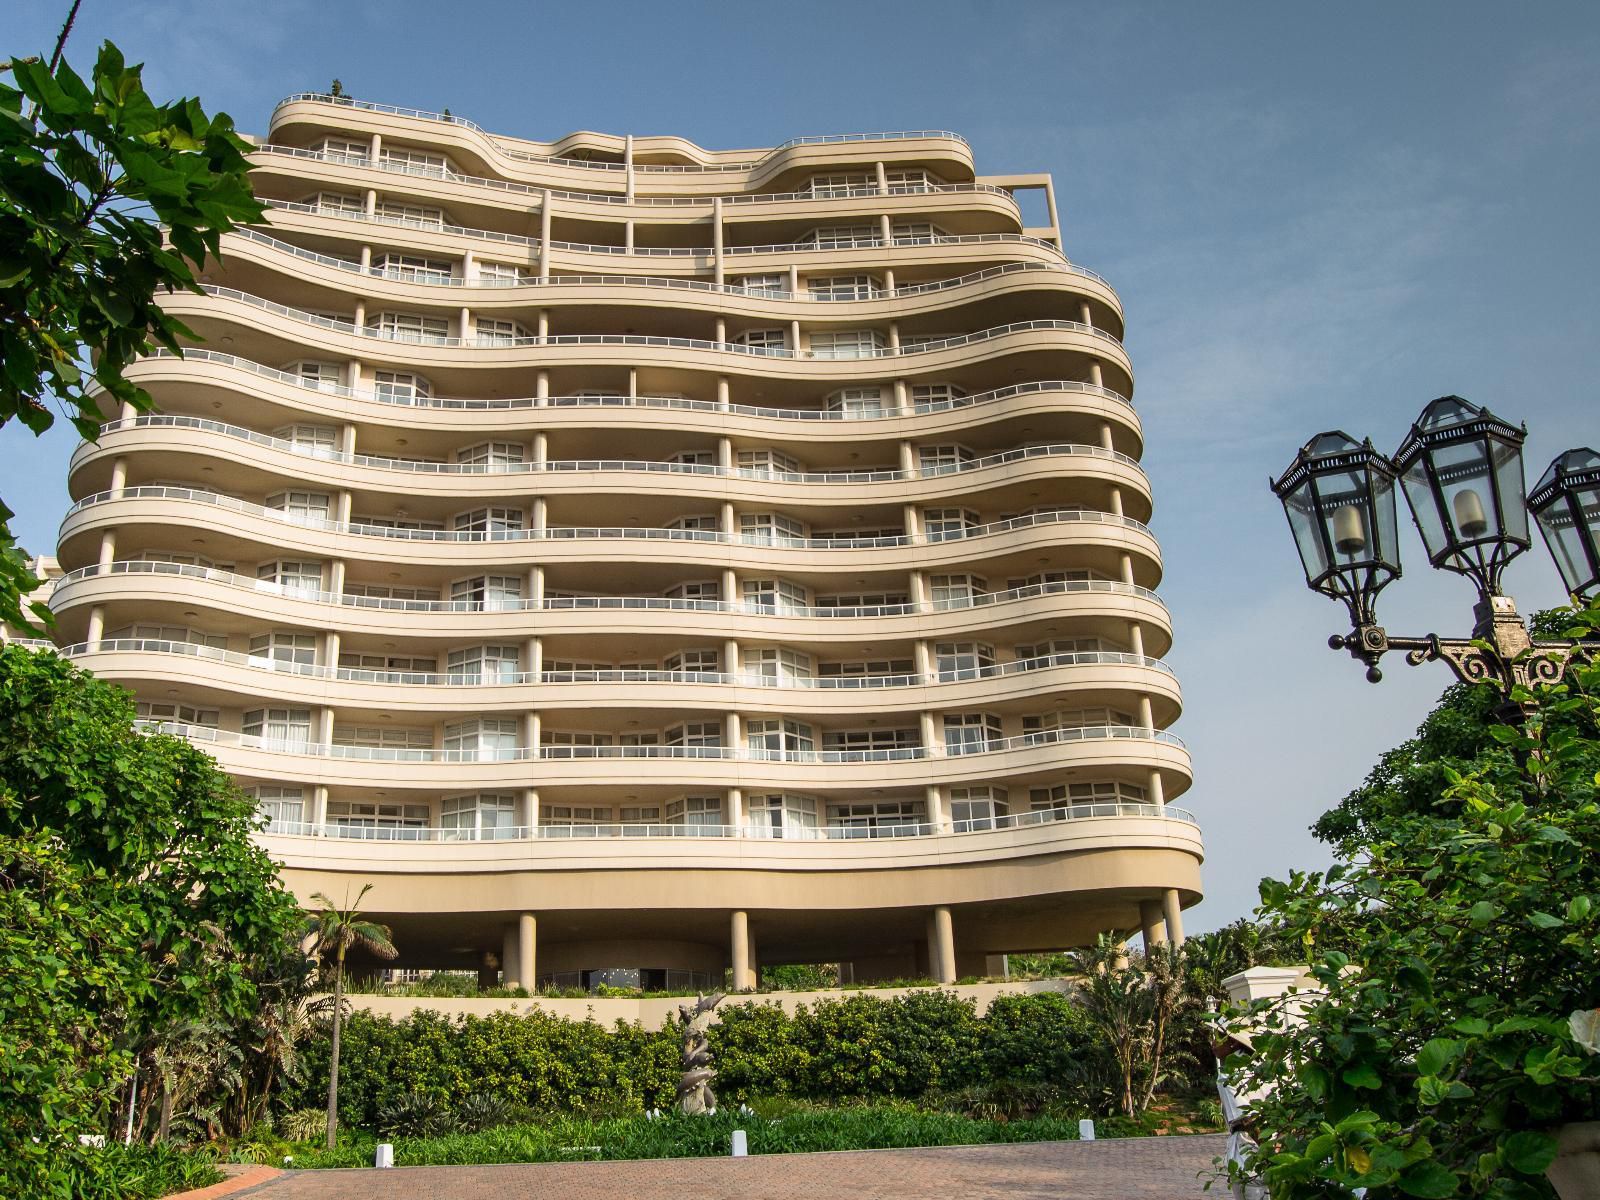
(1172, 911)
(739, 938)
(941, 945)
(1151, 924)
(519, 951)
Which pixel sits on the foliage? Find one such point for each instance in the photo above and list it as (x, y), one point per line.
(482, 1110)
(800, 977)
(800, 1129)
(1209, 958)
(861, 1047)
(90, 172)
(136, 1172)
(134, 903)
(335, 932)
(1441, 1058)
(1137, 1007)
(413, 1114)
(303, 1124)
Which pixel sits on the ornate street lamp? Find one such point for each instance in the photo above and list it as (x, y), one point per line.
(1566, 502)
(1460, 467)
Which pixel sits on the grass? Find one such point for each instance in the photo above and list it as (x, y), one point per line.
(798, 1129)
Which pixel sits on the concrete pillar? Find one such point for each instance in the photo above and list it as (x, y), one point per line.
(754, 962)
(722, 391)
(541, 449)
(731, 735)
(719, 331)
(1146, 714)
(883, 178)
(119, 476)
(923, 657)
(633, 383)
(318, 816)
(370, 202)
(1094, 373)
(716, 238)
(347, 444)
(1115, 497)
(366, 260)
(1151, 926)
(627, 166)
(1154, 792)
(536, 586)
(531, 723)
(97, 626)
(1136, 638)
(888, 280)
(325, 726)
(466, 322)
(627, 236)
(539, 517)
(533, 658)
(330, 648)
(912, 518)
(544, 235)
(336, 574)
(1126, 560)
(902, 398)
(794, 279)
(733, 808)
(932, 743)
(342, 513)
(108, 548)
(730, 657)
(541, 388)
(730, 586)
(1085, 313)
(377, 146)
(509, 969)
(908, 459)
(942, 945)
(894, 335)
(886, 230)
(794, 336)
(528, 818)
(544, 322)
(936, 813)
(725, 453)
(1172, 911)
(726, 522)
(739, 937)
(469, 266)
(526, 929)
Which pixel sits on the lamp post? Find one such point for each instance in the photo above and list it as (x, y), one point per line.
(1460, 468)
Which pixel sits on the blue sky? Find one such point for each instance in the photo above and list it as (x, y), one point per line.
(1317, 216)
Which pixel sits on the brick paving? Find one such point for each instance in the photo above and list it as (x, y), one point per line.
(1157, 1168)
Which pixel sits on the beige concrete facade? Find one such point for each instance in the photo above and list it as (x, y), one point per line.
(631, 557)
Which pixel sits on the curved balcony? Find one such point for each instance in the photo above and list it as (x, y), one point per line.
(331, 469)
(196, 509)
(229, 373)
(1108, 748)
(553, 162)
(621, 350)
(1092, 677)
(438, 237)
(154, 587)
(906, 300)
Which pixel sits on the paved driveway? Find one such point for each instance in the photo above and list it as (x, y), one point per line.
(1162, 1168)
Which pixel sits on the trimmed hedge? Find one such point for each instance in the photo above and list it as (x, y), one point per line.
(860, 1047)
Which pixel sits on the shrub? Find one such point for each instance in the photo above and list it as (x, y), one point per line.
(482, 1110)
(303, 1124)
(413, 1114)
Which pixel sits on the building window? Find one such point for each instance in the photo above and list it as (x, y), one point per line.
(413, 268)
(484, 739)
(495, 332)
(323, 376)
(770, 529)
(576, 818)
(914, 232)
(378, 821)
(1040, 653)
(380, 591)
(839, 184)
(779, 738)
(400, 387)
(492, 456)
(409, 327)
(941, 460)
(181, 634)
(493, 274)
(484, 664)
(956, 591)
(695, 734)
(283, 807)
(858, 402)
(341, 150)
(279, 728)
(426, 216)
(932, 397)
(781, 815)
(878, 667)
(1064, 796)
(962, 660)
(862, 603)
(765, 285)
(764, 341)
(390, 664)
(414, 162)
(944, 524)
(842, 237)
(768, 464)
(705, 661)
(390, 743)
(1046, 579)
(339, 204)
(970, 733)
(177, 714)
(489, 593)
(773, 595)
(302, 507)
(842, 287)
(877, 818)
(1049, 723)
(777, 663)
(478, 816)
(701, 522)
(696, 812)
(701, 590)
(870, 742)
(282, 646)
(974, 808)
(846, 343)
(496, 522)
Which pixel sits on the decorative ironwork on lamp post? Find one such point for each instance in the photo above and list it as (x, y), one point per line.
(1460, 468)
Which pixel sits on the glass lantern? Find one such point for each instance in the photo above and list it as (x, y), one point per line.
(1566, 503)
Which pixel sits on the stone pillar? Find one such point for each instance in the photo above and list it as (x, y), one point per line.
(1105, 436)
(1094, 373)
(330, 648)
(942, 945)
(627, 236)
(1146, 713)
(886, 230)
(1136, 638)
(883, 178)
(908, 459)
(716, 239)
(318, 816)
(544, 236)
(739, 937)
(902, 397)
(730, 586)
(526, 929)
(730, 656)
(1126, 560)
(1172, 910)
(509, 969)
(1151, 926)
(627, 166)
(97, 626)
(1115, 496)
(1085, 313)
(733, 809)
(754, 962)
(936, 813)
(1155, 793)
(108, 548)
(722, 392)
(529, 817)
(119, 476)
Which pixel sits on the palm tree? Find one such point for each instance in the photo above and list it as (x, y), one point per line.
(336, 930)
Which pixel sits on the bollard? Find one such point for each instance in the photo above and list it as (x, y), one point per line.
(385, 1155)
(741, 1144)
(1086, 1130)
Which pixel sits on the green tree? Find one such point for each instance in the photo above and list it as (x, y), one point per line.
(1440, 1060)
(337, 931)
(132, 900)
(1137, 1007)
(91, 171)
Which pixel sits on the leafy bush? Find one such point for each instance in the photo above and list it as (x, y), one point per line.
(137, 1172)
(861, 1047)
(413, 1114)
(303, 1124)
(482, 1110)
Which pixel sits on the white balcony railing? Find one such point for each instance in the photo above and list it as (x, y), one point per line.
(978, 399)
(606, 603)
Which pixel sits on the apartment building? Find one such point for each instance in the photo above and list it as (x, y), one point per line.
(641, 562)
